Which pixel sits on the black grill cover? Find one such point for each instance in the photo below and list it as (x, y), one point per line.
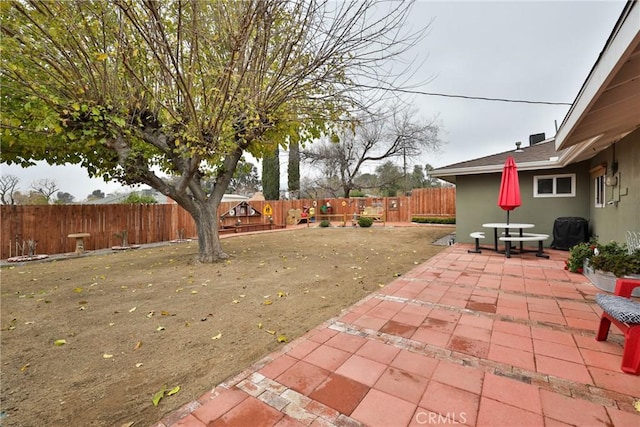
(569, 231)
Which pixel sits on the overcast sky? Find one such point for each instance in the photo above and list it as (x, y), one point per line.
(536, 51)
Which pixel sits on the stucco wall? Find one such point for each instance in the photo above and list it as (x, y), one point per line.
(614, 220)
(477, 198)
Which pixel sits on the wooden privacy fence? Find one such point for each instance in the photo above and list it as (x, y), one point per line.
(50, 225)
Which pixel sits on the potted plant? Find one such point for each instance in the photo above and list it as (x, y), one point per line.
(602, 264)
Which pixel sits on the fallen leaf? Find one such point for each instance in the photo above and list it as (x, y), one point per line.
(107, 356)
(138, 365)
(83, 302)
(77, 290)
(194, 292)
(24, 367)
(160, 328)
(179, 289)
(132, 310)
(111, 323)
(271, 332)
(267, 302)
(59, 342)
(217, 337)
(127, 424)
(235, 301)
(159, 395)
(173, 391)
(282, 294)
(138, 345)
(259, 325)
(165, 313)
(282, 338)
(150, 314)
(636, 405)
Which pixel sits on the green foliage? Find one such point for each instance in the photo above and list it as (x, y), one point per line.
(271, 176)
(325, 223)
(578, 254)
(245, 179)
(615, 258)
(433, 220)
(610, 257)
(293, 171)
(357, 193)
(135, 198)
(365, 221)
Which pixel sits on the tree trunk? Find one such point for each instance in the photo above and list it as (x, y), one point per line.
(209, 248)
(347, 191)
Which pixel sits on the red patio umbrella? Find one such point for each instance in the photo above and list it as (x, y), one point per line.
(509, 195)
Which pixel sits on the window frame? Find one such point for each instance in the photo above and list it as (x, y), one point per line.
(600, 184)
(554, 179)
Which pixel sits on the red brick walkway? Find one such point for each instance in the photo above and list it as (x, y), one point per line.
(474, 339)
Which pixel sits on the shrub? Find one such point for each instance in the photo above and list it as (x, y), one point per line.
(135, 198)
(615, 258)
(433, 220)
(325, 223)
(612, 257)
(577, 255)
(365, 221)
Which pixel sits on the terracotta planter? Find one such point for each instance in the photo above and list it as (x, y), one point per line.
(605, 280)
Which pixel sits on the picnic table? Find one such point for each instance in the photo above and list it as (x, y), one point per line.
(507, 227)
(520, 237)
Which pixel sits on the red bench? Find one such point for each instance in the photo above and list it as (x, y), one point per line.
(623, 312)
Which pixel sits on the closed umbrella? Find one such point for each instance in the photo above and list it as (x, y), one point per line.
(509, 196)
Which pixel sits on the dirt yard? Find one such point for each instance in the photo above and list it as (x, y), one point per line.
(89, 341)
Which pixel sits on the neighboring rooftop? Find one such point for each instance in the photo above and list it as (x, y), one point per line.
(538, 155)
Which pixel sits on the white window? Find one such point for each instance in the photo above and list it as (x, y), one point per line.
(599, 183)
(554, 185)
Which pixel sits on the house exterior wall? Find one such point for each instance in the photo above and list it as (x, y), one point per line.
(612, 221)
(477, 198)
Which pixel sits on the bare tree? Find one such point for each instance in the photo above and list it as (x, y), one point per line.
(45, 186)
(383, 135)
(8, 184)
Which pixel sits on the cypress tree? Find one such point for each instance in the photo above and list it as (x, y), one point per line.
(271, 175)
(293, 172)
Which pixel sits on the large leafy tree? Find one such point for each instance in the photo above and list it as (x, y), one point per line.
(142, 91)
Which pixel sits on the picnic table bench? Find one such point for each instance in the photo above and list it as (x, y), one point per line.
(525, 237)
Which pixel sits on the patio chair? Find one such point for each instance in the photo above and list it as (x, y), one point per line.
(623, 312)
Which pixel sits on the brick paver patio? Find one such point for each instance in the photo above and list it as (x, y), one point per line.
(473, 339)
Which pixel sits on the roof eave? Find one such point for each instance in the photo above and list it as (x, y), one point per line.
(619, 46)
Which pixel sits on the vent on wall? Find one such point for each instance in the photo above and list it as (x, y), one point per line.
(535, 138)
